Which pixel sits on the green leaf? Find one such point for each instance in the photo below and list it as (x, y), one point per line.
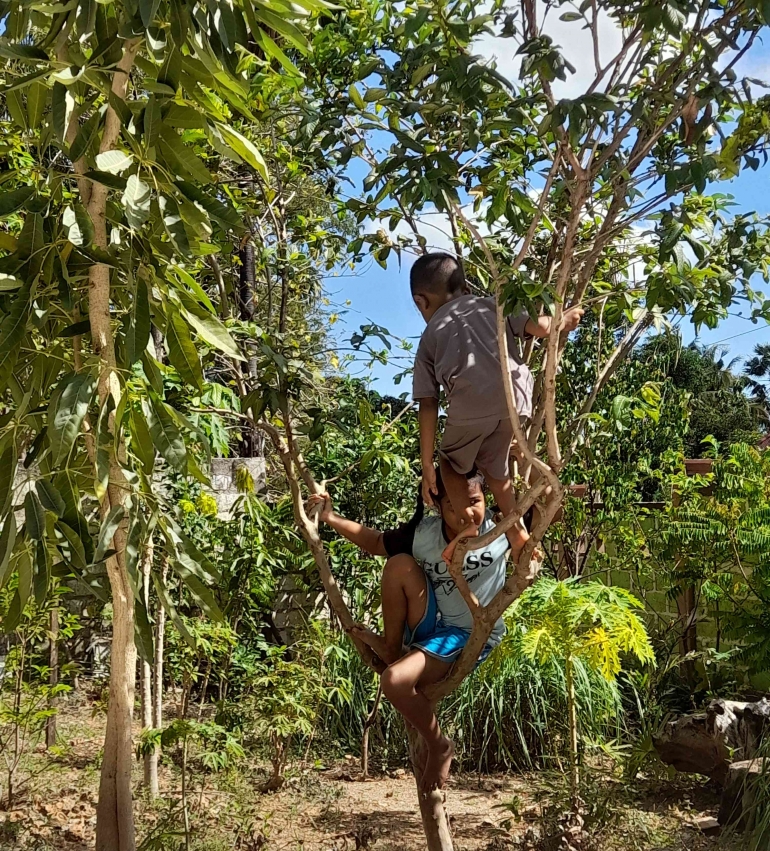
(213, 332)
(34, 516)
(223, 212)
(85, 137)
(355, 96)
(143, 633)
(172, 222)
(110, 180)
(85, 225)
(22, 52)
(180, 158)
(37, 95)
(152, 121)
(14, 199)
(114, 162)
(62, 104)
(23, 566)
(165, 600)
(245, 149)
(181, 349)
(7, 543)
(184, 117)
(66, 421)
(165, 435)
(136, 200)
(50, 497)
(12, 331)
(148, 9)
(141, 442)
(15, 107)
(139, 323)
(42, 573)
(31, 240)
(284, 27)
(107, 532)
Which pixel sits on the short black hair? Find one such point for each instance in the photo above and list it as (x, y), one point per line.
(474, 478)
(437, 273)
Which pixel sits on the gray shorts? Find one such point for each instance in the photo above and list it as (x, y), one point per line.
(485, 444)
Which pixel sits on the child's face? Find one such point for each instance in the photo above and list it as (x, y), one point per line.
(478, 507)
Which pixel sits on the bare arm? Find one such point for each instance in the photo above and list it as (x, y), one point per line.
(369, 540)
(428, 420)
(542, 328)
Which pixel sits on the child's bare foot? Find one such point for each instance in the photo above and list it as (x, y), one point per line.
(470, 531)
(437, 767)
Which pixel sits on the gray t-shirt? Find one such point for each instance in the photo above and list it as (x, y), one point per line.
(423, 539)
(458, 351)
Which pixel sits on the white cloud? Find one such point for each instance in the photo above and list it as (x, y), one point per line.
(576, 46)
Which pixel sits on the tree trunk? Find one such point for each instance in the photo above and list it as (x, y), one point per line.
(53, 676)
(114, 813)
(157, 687)
(435, 822)
(150, 760)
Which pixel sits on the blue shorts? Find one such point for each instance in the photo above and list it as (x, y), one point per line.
(432, 637)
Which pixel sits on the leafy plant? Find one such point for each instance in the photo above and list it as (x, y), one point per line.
(587, 621)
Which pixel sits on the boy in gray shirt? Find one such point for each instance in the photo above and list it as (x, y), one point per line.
(458, 351)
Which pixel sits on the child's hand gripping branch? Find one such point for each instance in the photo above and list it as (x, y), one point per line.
(458, 351)
(426, 620)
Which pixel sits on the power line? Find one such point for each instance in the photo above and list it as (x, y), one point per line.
(742, 334)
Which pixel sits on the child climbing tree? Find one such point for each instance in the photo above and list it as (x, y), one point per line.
(597, 200)
(120, 116)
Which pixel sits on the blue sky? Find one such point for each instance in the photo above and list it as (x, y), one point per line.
(382, 296)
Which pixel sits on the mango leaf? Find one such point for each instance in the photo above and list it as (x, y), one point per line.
(165, 435)
(7, 543)
(42, 573)
(71, 547)
(114, 162)
(181, 159)
(34, 516)
(8, 463)
(165, 600)
(213, 332)
(50, 498)
(136, 200)
(107, 531)
(13, 200)
(138, 330)
(141, 442)
(37, 95)
(85, 137)
(143, 633)
(12, 331)
(245, 149)
(23, 566)
(181, 349)
(67, 419)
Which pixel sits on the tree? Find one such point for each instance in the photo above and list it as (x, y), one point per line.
(577, 196)
(567, 621)
(110, 214)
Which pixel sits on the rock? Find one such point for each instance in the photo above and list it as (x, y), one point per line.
(738, 793)
(704, 743)
(707, 825)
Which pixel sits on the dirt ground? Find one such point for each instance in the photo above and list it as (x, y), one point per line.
(328, 808)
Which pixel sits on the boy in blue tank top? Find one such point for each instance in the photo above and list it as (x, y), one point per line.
(426, 620)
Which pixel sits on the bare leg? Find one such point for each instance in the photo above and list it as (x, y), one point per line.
(404, 598)
(502, 490)
(456, 485)
(401, 684)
